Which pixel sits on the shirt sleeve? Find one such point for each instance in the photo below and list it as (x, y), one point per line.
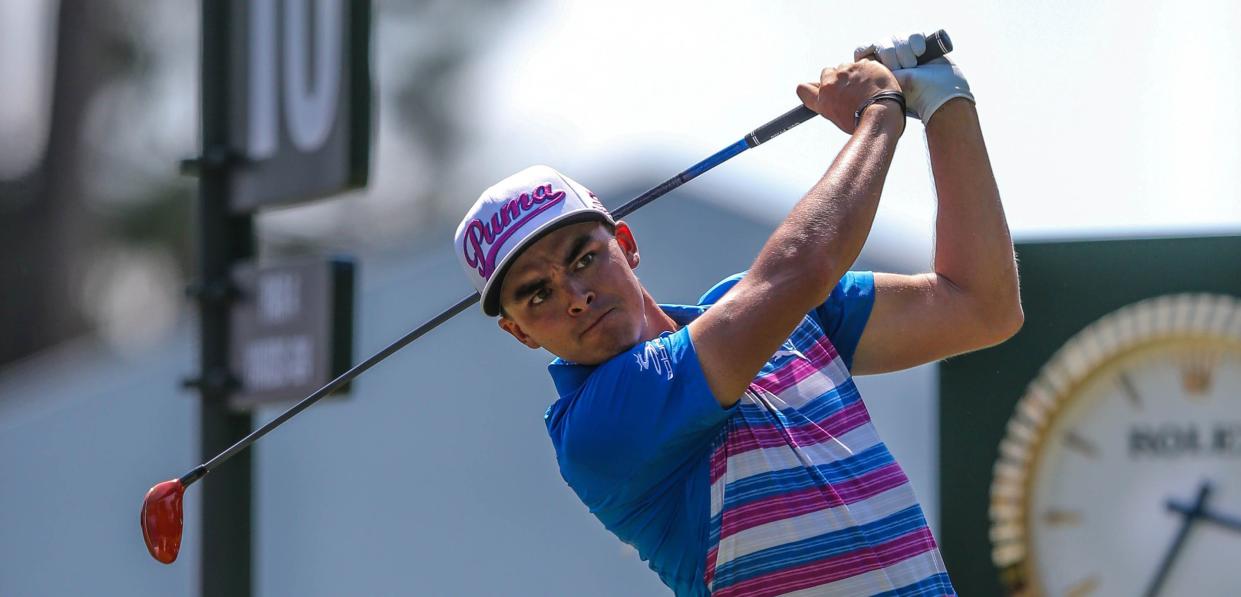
(638, 418)
(721, 288)
(844, 314)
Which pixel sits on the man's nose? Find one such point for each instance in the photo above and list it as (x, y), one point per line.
(579, 298)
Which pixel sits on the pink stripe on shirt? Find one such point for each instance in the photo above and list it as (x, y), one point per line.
(813, 499)
(743, 438)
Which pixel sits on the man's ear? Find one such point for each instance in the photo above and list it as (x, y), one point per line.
(511, 327)
(629, 245)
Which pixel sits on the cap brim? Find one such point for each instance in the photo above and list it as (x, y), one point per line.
(491, 292)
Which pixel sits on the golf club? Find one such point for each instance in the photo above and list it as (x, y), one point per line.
(161, 516)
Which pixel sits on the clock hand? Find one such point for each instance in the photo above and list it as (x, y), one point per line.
(1191, 514)
(1225, 521)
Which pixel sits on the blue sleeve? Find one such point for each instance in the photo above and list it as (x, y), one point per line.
(639, 417)
(844, 314)
(722, 287)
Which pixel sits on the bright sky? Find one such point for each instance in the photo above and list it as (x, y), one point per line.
(1102, 119)
(25, 55)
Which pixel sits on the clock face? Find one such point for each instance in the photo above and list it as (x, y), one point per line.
(1121, 470)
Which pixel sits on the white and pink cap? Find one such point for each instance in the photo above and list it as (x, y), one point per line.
(510, 216)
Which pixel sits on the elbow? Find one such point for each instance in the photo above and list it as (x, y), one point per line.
(1014, 322)
(1014, 316)
(813, 287)
(1006, 322)
(1004, 315)
(999, 315)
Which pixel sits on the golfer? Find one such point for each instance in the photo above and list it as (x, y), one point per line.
(726, 441)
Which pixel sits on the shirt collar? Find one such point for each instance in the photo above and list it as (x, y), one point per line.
(569, 376)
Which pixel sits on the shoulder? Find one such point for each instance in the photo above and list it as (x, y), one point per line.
(854, 294)
(603, 425)
(574, 380)
(590, 395)
(846, 312)
(635, 420)
(855, 283)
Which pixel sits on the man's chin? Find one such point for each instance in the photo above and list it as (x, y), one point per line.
(603, 354)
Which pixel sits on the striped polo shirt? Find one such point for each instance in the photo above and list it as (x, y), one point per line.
(788, 492)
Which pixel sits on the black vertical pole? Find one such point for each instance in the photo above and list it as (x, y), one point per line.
(223, 239)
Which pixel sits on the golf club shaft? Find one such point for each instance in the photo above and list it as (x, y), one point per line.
(331, 386)
(750, 140)
(937, 44)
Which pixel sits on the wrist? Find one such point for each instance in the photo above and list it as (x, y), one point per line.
(952, 111)
(889, 106)
(886, 115)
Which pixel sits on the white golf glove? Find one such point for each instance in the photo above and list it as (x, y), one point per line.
(926, 87)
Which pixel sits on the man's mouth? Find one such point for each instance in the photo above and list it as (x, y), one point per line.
(596, 322)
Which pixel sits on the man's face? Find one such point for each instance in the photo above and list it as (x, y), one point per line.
(574, 293)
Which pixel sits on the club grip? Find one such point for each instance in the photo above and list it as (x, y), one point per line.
(778, 125)
(937, 44)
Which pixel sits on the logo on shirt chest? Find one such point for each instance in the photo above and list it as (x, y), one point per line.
(655, 356)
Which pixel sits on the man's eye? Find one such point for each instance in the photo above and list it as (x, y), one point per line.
(539, 296)
(584, 261)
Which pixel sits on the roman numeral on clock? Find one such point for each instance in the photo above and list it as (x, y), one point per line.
(1081, 445)
(1083, 588)
(1196, 371)
(1131, 393)
(1059, 518)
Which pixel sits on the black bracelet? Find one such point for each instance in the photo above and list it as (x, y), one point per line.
(894, 96)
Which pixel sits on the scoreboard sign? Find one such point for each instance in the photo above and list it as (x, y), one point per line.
(292, 329)
(299, 99)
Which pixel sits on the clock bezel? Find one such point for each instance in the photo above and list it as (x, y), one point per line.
(1158, 321)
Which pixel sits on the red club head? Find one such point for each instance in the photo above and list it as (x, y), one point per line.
(161, 520)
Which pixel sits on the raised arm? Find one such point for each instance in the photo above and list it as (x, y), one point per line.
(971, 299)
(816, 244)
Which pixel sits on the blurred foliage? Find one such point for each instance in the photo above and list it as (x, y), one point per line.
(124, 112)
(162, 216)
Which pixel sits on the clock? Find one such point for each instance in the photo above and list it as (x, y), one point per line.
(1119, 472)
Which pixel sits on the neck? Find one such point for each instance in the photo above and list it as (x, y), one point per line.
(657, 322)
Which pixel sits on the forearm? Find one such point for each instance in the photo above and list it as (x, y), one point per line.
(973, 248)
(825, 231)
